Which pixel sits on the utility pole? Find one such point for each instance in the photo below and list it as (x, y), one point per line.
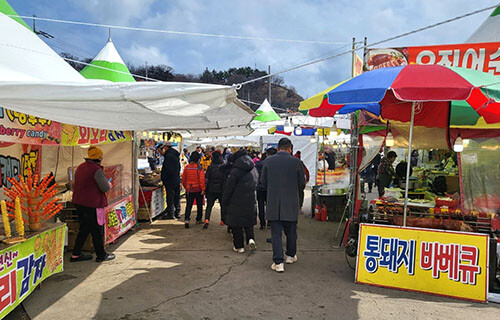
(269, 79)
(365, 49)
(353, 69)
(146, 71)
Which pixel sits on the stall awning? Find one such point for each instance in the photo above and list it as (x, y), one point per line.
(129, 106)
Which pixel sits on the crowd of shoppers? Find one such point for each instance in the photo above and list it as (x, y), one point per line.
(275, 180)
(251, 187)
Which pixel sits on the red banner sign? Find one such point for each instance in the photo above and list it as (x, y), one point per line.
(478, 56)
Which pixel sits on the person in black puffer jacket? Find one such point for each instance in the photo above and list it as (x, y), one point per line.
(239, 200)
(214, 178)
(170, 176)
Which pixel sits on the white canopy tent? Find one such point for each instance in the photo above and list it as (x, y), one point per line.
(129, 106)
(36, 81)
(24, 57)
(489, 30)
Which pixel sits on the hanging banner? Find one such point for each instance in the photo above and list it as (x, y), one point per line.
(22, 128)
(120, 217)
(478, 56)
(16, 159)
(77, 135)
(19, 127)
(447, 263)
(358, 65)
(23, 266)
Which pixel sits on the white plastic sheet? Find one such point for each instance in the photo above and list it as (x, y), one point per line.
(307, 149)
(129, 106)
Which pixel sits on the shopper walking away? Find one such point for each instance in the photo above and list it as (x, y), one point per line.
(283, 177)
(89, 194)
(298, 155)
(386, 172)
(170, 176)
(214, 181)
(193, 180)
(261, 190)
(239, 199)
(225, 170)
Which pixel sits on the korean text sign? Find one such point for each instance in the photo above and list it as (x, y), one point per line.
(440, 262)
(23, 266)
(119, 218)
(22, 128)
(478, 56)
(78, 135)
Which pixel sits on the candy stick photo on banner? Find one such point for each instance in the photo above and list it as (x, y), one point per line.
(5, 219)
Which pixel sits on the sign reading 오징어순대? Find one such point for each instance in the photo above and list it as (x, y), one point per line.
(24, 265)
(447, 263)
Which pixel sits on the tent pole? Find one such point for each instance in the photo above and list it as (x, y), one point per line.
(408, 162)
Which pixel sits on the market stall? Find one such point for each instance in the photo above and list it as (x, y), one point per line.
(152, 195)
(423, 100)
(32, 242)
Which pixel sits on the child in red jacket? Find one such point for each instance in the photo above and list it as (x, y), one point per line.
(193, 180)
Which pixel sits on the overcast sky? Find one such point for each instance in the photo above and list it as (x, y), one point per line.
(321, 20)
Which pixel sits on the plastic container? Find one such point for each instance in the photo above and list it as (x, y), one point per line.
(447, 203)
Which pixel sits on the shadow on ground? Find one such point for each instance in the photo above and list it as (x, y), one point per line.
(164, 271)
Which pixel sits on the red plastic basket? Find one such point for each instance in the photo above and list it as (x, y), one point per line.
(447, 203)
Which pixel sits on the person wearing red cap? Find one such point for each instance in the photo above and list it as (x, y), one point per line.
(89, 193)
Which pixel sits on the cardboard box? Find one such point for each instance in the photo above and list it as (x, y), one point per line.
(452, 184)
(87, 246)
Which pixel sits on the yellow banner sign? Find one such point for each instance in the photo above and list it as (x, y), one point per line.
(78, 135)
(439, 262)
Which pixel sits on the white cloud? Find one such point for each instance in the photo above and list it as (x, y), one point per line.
(324, 20)
(139, 55)
(119, 12)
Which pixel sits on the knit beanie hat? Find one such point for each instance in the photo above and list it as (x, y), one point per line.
(94, 153)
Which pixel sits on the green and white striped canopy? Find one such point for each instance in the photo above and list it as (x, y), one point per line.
(266, 113)
(108, 65)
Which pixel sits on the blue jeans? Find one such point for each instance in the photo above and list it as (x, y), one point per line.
(277, 228)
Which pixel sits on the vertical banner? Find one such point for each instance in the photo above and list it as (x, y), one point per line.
(358, 65)
(23, 266)
(120, 217)
(447, 263)
(157, 202)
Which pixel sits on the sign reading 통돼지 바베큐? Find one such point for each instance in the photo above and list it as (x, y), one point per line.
(447, 263)
(24, 265)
